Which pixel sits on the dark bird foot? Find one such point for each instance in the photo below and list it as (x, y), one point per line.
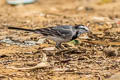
(60, 47)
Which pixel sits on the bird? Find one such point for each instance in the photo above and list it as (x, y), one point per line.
(59, 34)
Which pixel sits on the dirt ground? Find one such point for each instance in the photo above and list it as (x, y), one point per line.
(95, 57)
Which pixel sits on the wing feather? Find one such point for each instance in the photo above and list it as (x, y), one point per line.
(59, 31)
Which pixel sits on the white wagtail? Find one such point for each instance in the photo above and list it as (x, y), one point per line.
(59, 34)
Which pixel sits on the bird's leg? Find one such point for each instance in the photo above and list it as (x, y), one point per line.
(58, 45)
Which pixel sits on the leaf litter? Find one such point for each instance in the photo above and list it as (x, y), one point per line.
(92, 57)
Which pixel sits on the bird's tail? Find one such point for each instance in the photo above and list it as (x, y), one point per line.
(23, 29)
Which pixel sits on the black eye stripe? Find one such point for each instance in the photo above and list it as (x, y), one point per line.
(83, 29)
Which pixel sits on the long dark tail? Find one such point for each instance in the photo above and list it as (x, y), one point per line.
(16, 28)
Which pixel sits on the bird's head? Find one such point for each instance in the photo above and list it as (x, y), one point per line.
(81, 29)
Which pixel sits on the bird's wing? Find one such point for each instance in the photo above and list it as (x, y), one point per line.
(64, 33)
(59, 31)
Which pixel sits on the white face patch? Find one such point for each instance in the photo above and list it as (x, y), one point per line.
(84, 27)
